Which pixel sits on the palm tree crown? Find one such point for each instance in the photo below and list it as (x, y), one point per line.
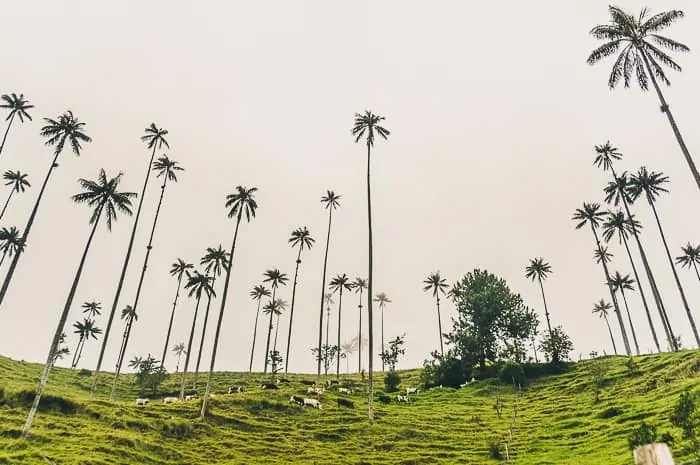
(180, 267)
(16, 179)
(435, 283)
(340, 283)
(619, 223)
(589, 214)
(259, 292)
(199, 284)
(154, 137)
(538, 269)
(602, 255)
(129, 314)
(690, 257)
(601, 308)
(102, 195)
(301, 237)
(368, 124)
(331, 200)
(648, 183)
(275, 277)
(382, 299)
(215, 260)
(242, 202)
(11, 241)
(92, 309)
(167, 168)
(606, 154)
(359, 284)
(66, 128)
(624, 282)
(617, 190)
(17, 105)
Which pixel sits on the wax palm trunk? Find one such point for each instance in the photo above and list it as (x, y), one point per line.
(201, 342)
(675, 275)
(546, 312)
(291, 311)
(607, 323)
(255, 335)
(437, 302)
(616, 305)
(359, 338)
(7, 130)
(78, 349)
(269, 333)
(224, 295)
(629, 318)
(25, 233)
(149, 247)
(120, 284)
(369, 293)
(323, 288)
(695, 266)
(7, 202)
(170, 324)
(189, 348)
(59, 329)
(382, 312)
(340, 309)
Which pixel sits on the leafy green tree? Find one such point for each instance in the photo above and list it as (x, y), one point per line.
(18, 183)
(326, 355)
(18, 107)
(198, 285)
(11, 242)
(591, 215)
(104, 199)
(150, 374)
(436, 284)
(338, 284)
(651, 185)
(240, 203)
(625, 283)
(642, 58)
(331, 201)
(382, 300)
(359, 285)
(540, 269)
(556, 346)
(616, 193)
(301, 238)
(391, 357)
(690, 257)
(602, 308)
(686, 416)
(642, 435)
(65, 129)
(276, 278)
(179, 350)
(85, 330)
(154, 138)
(598, 369)
(179, 268)
(257, 293)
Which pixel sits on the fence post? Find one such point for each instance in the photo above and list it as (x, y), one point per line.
(653, 454)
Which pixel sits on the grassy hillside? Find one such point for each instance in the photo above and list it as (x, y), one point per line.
(557, 421)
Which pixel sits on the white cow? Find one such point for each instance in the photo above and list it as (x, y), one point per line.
(400, 398)
(312, 403)
(142, 401)
(170, 400)
(412, 391)
(192, 397)
(317, 391)
(343, 390)
(235, 389)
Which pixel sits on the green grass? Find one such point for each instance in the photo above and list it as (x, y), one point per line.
(557, 422)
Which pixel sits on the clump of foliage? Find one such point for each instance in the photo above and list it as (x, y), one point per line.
(597, 370)
(556, 346)
(686, 416)
(327, 355)
(390, 357)
(643, 434)
(449, 370)
(512, 372)
(632, 367)
(276, 362)
(495, 449)
(150, 374)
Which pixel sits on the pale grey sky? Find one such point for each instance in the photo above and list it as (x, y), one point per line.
(493, 112)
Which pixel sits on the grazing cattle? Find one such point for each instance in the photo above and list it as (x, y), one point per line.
(412, 391)
(170, 400)
(332, 382)
(192, 397)
(314, 390)
(235, 389)
(297, 400)
(312, 403)
(400, 398)
(283, 380)
(384, 399)
(307, 382)
(268, 386)
(142, 401)
(344, 390)
(342, 402)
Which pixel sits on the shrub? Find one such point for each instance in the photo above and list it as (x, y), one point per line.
(495, 449)
(641, 435)
(150, 374)
(444, 371)
(632, 367)
(556, 346)
(512, 372)
(391, 381)
(84, 372)
(610, 412)
(2, 395)
(667, 438)
(177, 429)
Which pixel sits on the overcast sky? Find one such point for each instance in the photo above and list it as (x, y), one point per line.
(493, 114)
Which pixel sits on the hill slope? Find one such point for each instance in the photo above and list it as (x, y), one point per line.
(557, 422)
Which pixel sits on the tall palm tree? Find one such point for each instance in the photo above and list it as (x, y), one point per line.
(360, 284)
(272, 308)
(104, 199)
(281, 306)
(382, 300)
(167, 169)
(616, 192)
(651, 185)
(331, 202)
(257, 293)
(601, 309)
(625, 283)
(436, 284)
(154, 138)
(18, 107)
(92, 309)
(179, 349)
(328, 300)
(135, 362)
(591, 215)
(242, 202)
(539, 269)
(690, 257)
(642, 58)
(11, 242)
(276, 278)
(65, 129)
(338, 284)
(367, 125)
(179, 268)
(214, 261)
(85, 329)
(301, 237)
(128, 315)
(623, 226)
(19, 183)
(198, 284)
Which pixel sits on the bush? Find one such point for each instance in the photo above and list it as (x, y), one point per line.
(84, 372)
(177, 429)
(667, 438)
(25, 398)
(392, 381)
(2, 395)
(446, 371)
(495, 449)
(641, 435)
(556, 346)
(632, 367)
(610, 412)
(512, 372)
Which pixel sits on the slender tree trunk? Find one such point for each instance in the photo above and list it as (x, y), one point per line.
(641, 293)
(665, 109)
(269, 333)
(618, 314)
(675, 275)
(255, 334)
(207, 390)
(149, 247)
(4, 138)
(277, 328)
(370, 409)
(74, 362)
(534, 348)
(4, 254)
(381, 309)
(25, 233)
(201, 342)
(323, 288)
(59, 330)
(359, 338)
(694, 266)
(170, 324)
(291, 311)
(327, 362)
(189, 348)
(337, 359)
(7, 202)
(546, 312)
(177, 367)
(120, 284)
(629, 318)
(611, 335)
(437, 301)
